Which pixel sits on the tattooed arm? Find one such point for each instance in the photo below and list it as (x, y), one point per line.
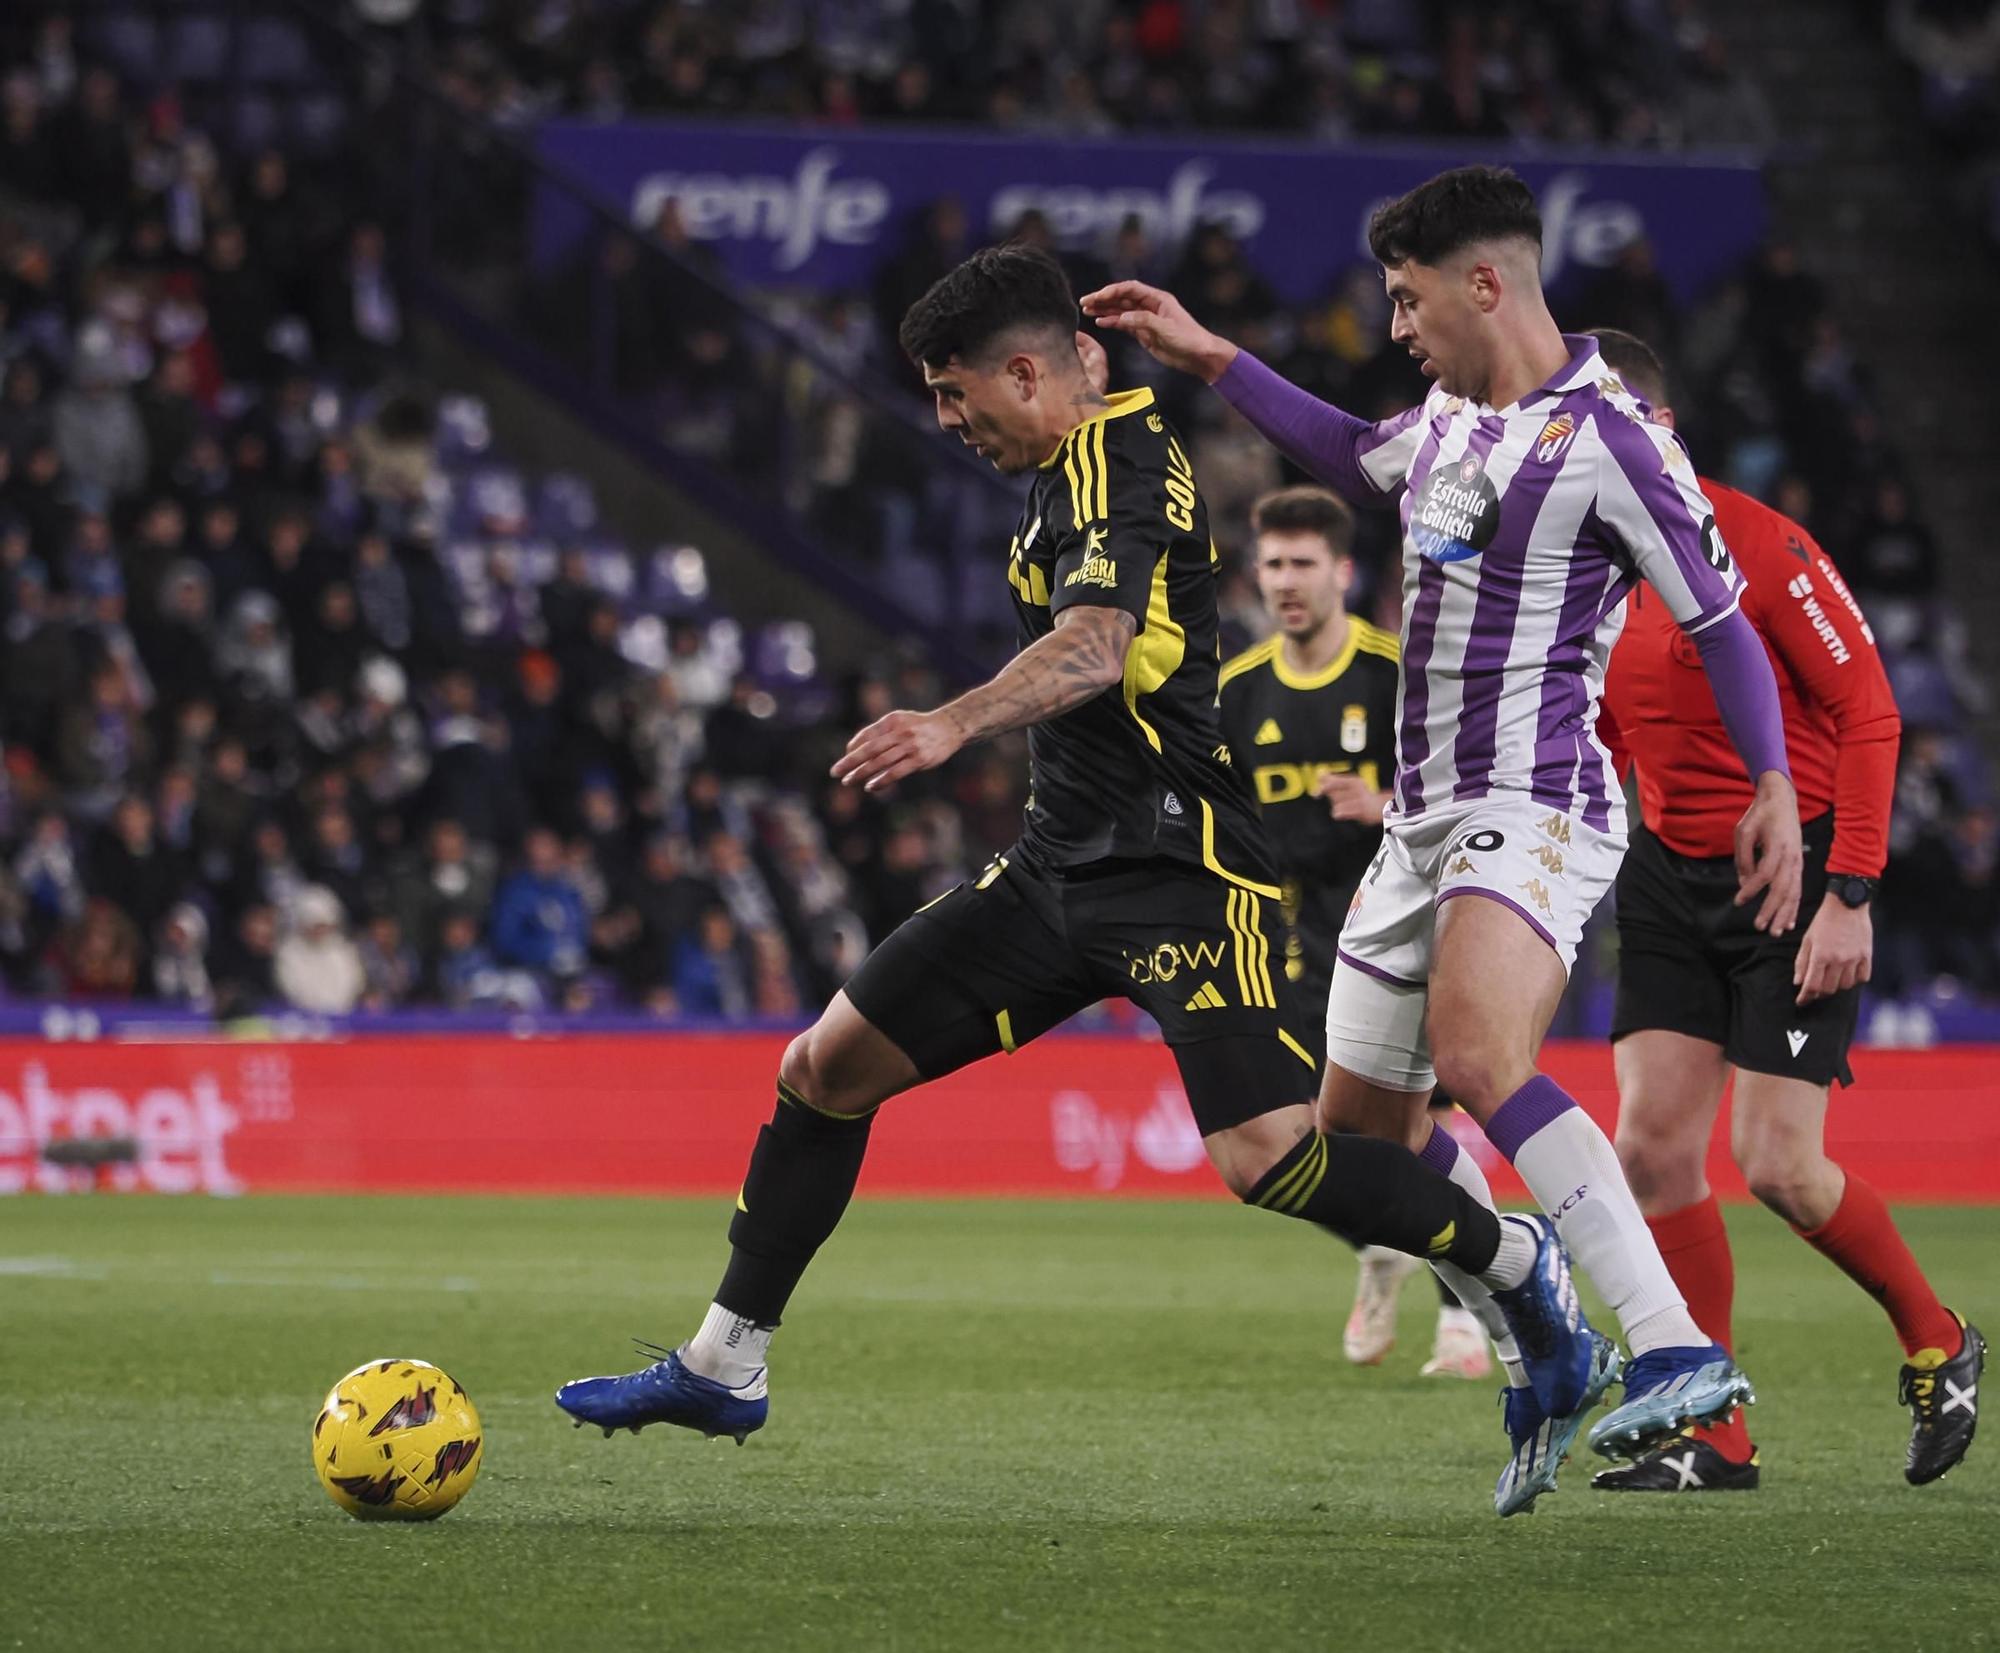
(1082, 657)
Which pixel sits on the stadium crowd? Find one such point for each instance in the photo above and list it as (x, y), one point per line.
(310, 700)
(1952, 47)
(1631, 72)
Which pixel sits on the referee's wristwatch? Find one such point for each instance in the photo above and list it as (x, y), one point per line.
(1853, 889)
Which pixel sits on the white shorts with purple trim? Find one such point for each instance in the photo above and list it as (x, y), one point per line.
(1545, 864)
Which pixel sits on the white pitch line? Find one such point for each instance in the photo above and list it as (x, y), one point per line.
(51, 1268)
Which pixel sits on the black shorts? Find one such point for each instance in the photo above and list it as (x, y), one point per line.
(1000, 960)
(1691, 961)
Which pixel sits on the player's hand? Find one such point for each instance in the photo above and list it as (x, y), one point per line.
(1352, 799)
(1770, 861)
(903, 743)
(1164, 329)
(1838, 951)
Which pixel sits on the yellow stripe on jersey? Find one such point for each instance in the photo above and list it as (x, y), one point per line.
(1208, 860)
(1297, 1049)
(1374, 640)
(1156, 653)
(1103, 472)
(1249, 660)
(1073, 469)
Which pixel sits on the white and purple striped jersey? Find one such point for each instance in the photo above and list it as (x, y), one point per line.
(1523, 529)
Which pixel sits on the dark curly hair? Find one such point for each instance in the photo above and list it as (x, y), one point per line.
(993, 292)
(1453, 211)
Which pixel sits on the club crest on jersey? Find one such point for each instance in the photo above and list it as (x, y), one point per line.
(1457, 514)
(1353, 728)
(1555, 438)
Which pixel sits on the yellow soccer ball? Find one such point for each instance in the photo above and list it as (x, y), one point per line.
(397, 1440)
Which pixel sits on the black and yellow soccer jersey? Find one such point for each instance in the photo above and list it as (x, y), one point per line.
(1287, 730)
(1114, 518)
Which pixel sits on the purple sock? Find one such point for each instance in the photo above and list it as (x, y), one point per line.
(1537, 1103)
(1441, 1152)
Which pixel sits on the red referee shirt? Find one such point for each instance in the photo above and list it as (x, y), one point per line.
(1841, 726)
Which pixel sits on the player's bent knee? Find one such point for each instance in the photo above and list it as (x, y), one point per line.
(1243, 1154)
(1782, 1186)
(833, 1073)
(1480, 1078)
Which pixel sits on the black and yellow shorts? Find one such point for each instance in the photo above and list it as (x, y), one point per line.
(1001, 960)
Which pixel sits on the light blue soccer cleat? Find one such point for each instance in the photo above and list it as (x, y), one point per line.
(666, 1392)
(1549, 1325)
(1542, 1443)
(1665, 1391)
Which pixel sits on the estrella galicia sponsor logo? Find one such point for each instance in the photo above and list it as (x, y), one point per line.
(1458, 512)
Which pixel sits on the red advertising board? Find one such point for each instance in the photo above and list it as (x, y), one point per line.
(675, 1113)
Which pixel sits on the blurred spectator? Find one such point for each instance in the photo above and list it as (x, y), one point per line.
(245, 968)
(180, 966)
(711, 970)
(97, 956)
(452, 874)
(317, 967)
(390, 970)
(539, 922)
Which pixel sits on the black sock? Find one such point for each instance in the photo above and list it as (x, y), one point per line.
(802, 1174)
(1379, 1193)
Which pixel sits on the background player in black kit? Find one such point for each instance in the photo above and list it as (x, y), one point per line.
(1310, 718)
(1141, 870)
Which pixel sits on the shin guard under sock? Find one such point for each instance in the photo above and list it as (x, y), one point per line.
(802, 1174)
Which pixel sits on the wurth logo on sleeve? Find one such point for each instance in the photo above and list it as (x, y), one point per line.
(1801, 587)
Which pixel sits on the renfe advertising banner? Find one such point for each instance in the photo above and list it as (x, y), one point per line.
(1088, 1115)
(820, 208)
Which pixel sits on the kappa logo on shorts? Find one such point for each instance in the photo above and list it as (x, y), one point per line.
(1557, 827)
(1461, 865)
(1538, 892)
(1550, 858)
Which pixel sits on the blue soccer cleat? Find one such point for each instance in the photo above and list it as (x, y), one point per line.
(1548, 1324)
(1665, 1391)
(1542, 1443)
(666, 1392)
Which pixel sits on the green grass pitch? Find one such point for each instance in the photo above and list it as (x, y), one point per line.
(995, 1425)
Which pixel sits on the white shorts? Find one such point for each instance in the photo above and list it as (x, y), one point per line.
(1548, 866)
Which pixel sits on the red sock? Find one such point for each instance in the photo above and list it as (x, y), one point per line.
(1862, 1241)
(1695, 1247)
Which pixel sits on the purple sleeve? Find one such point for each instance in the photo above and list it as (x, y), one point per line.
(1359, 461)
(1739, 671)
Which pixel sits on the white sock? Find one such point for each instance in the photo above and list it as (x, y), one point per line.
(1442, 1153)
(729, 1349)
(1513, 1262)
(1572, 1170)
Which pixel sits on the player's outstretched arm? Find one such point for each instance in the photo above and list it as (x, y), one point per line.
(1363, 463)
(1163, 327)
(1080, 659)
(1770, 857)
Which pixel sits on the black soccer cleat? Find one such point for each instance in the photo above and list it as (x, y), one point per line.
(1944, 1409)
(1686, 1463)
